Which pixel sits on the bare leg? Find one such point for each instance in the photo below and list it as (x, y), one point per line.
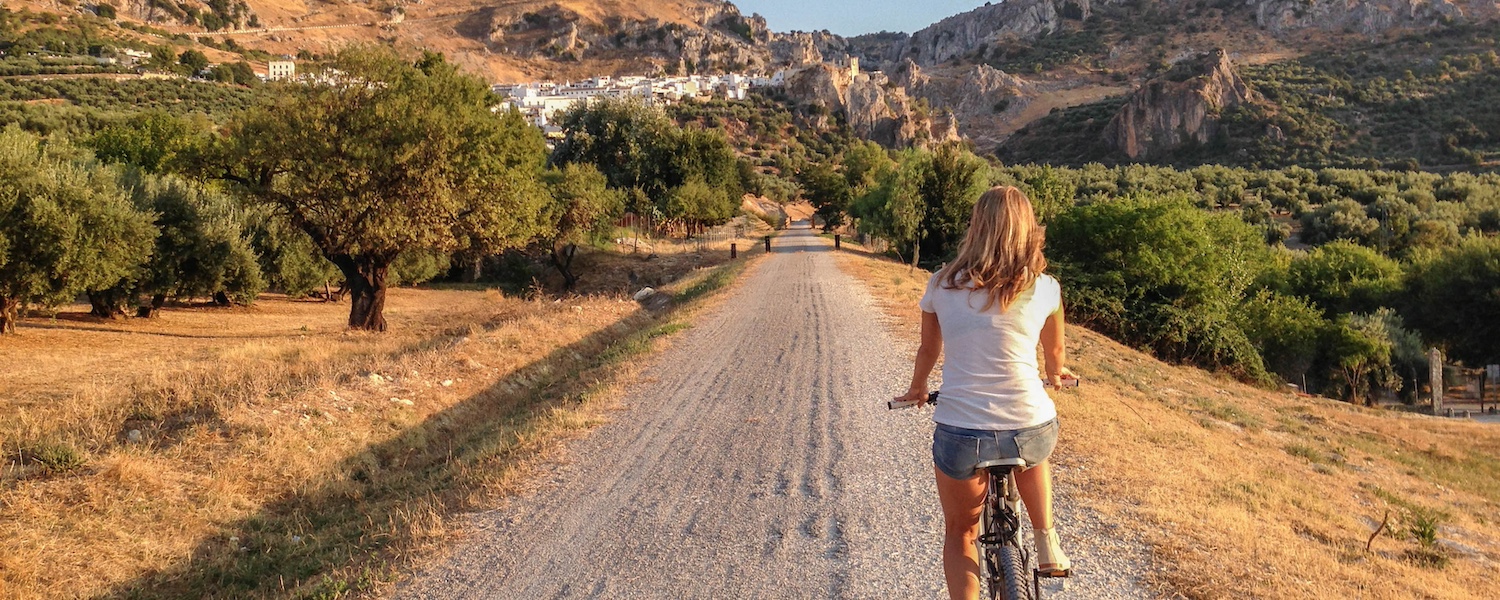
(1035, 485)
(962, 501)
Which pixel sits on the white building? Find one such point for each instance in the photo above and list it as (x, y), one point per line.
(278, 70)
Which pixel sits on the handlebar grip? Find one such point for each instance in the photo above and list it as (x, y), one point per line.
(898, 405)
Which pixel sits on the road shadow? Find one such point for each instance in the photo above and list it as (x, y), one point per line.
(363, 521)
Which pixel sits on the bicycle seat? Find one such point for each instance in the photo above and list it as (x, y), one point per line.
(1002, 462)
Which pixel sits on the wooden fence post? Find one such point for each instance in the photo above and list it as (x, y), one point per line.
(1435, 374)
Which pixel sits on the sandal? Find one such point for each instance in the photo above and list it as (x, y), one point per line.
(1050, 560)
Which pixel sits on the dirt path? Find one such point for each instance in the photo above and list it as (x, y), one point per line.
(758, 461)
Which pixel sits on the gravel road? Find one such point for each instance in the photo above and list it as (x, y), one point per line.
(756, 460)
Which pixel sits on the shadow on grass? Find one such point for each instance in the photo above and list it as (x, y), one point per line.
(363, 522)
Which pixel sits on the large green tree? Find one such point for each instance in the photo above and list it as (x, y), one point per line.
(387, 156)
(953, 182)
(827, 190)
(1454, 296)
(65, 225)
(894, 209)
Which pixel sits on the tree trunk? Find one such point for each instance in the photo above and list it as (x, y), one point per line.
(222, 299)
(10, 309)
(365, 277)
(107, 304)
(476, 270)
(562, 258)
(150, 310)
(916, 252)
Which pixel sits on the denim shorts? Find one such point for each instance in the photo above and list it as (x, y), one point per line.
(956, 451)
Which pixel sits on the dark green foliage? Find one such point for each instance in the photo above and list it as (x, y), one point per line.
(827, 190)
(1287, 329)
(201, 246)
(1344, 277)
(1454, 295)
(952, 182)
(418, 266)
(637, 147)
(237, 73)
(1159, 273)
(65, 225)
(192, 61)
(289, 260)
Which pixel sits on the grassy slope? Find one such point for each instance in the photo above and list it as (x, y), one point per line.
(269, 463)
(1243, 492)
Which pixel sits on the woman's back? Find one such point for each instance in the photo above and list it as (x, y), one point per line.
(990, 376)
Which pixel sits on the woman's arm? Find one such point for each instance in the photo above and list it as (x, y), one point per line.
(927, 356)
(1054, 348)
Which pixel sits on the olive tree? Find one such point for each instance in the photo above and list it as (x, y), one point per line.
(201, 249)
(386, 156)
(582, 204)
(65, 225)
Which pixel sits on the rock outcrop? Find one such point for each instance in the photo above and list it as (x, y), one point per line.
(870, 103)
(963, 34)
(1179, 108)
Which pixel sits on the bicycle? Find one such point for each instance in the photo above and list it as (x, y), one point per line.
(1004, 558)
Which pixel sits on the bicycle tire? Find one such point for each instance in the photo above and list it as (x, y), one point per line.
(1015, 582)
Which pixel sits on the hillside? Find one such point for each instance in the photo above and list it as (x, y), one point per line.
(507, 41)
(1244, 492)
(1339, 78)
(1419, 100)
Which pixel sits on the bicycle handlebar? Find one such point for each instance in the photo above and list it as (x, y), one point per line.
(932, 398)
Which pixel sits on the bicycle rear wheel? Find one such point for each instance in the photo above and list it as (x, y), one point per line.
(1014, 581)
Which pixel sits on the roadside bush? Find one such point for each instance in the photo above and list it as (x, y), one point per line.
(1159, 273)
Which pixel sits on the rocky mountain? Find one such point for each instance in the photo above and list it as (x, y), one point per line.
(870, 103)
(1181, 108)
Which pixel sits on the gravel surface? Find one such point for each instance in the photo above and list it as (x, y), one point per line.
(756, 460)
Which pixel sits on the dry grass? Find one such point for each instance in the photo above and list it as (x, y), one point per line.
(266, 452)
(1242, 492)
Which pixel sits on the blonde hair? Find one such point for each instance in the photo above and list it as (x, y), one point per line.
(1002, 251)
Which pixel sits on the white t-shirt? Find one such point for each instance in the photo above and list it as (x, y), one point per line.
(990, 376)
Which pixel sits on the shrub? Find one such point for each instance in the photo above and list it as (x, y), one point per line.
(1160, 273)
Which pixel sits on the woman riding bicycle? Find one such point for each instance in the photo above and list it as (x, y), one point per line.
(994, 303)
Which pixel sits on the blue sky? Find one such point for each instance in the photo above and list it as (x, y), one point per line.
(853, 17)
